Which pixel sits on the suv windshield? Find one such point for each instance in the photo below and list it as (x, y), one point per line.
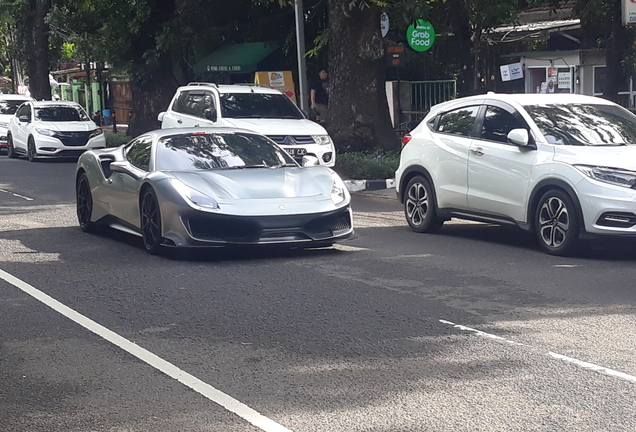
(584, 125)
(210, 151)
(60, 114)
(258, 105)
(10, 106)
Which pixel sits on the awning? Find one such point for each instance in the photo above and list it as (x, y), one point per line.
(235, 58)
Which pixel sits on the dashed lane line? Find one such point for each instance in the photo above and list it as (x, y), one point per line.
(153, 360)
(16, 195)
(579, 363)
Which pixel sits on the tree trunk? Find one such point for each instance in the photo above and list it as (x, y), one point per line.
(150, 96)
(37, 49)
(617, 47)
(358, 110)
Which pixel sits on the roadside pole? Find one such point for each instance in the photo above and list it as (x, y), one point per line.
(300, 43)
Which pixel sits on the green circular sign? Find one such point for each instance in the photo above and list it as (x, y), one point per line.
(420, 35)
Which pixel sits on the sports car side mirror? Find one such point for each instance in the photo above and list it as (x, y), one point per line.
(124, 168)
(160, 116)
(309, 161)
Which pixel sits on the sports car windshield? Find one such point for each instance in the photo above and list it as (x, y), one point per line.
(584, 125)
(10, 106)
(213, 151)
(258, 105)
(60, 114)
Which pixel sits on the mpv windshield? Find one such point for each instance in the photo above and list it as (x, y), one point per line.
(258, 105)
(210, 151)
(60, 114)
(584, 125)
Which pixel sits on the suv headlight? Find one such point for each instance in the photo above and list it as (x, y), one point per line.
(615, 176)
(193, 197)
(46, 132)
(96, 132)
(322, 139)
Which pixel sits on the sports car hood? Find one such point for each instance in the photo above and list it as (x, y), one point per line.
(607, 156)
(281, 184)
(269, 126)
(79, 126)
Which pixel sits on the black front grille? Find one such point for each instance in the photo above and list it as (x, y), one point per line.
(267, 229)
(73, 139)
(69, 153)
(292, 139)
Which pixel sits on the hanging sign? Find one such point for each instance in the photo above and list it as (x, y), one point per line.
(384, 24)
(420, 35)
(629, 12)
(511, 72)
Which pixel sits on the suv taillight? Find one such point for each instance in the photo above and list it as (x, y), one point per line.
(405, 139)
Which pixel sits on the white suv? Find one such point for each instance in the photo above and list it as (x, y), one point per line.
(48, 129)
(561, 165)
(9, 104)
(252, 107)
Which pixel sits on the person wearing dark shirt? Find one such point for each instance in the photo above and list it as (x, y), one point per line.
(319, 96)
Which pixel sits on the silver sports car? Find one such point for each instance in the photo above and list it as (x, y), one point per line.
(204, 187)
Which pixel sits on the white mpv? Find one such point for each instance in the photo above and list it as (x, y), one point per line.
(560, 165)
(251, 107)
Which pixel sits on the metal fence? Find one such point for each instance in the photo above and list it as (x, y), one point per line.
(425, 94)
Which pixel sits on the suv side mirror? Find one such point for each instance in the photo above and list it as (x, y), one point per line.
(210, 114)
(519, 137)
(23, 119)
(160, 116)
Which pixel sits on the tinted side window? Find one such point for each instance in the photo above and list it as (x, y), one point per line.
(24, 110)
(459, 121)
(497, 123)
(193, 102)
(138, 153)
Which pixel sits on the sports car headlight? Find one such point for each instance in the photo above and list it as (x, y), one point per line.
(4, 124)
(322, 139)
(613, 176)
(194, 198)
(96, 132)
(338, 189)
(46, 132)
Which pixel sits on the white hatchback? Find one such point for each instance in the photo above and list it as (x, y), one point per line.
(45, 129)
(562, 166)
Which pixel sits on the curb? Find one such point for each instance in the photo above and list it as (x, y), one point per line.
(364, 185)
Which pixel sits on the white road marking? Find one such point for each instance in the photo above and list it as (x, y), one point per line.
(566, 266)
(16, 195)
(585, 365)
(153, 360)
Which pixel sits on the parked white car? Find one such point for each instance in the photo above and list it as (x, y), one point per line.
(9, 104)
(561, 165)
(47, 129)
(252, 107)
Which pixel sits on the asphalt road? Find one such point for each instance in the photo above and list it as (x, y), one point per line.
(470, 329)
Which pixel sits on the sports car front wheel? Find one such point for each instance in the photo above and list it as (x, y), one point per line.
(84, 202)
(150, 221)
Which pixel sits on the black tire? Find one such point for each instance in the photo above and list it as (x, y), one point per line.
(84, 204)
(10, 148)
(150, 221)
(32, 153)
(420, 207)
(556, 223)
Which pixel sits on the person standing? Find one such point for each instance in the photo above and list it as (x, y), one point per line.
(319, 96)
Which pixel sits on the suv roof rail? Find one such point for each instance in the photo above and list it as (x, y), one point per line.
(203, 84)
(253, 85)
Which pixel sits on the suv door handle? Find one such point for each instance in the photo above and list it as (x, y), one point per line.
(477, 151)
(179, 121)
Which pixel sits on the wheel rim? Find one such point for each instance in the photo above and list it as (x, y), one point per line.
(84, 202)
(417, 204)
(554, 222)
(150, 221)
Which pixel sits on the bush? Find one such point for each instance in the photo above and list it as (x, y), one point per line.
(115, 140)
(367, 165)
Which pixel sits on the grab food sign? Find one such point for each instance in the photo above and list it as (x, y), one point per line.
(420, 35)
(629, 12)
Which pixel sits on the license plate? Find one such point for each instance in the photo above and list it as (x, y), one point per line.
(296, 152)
